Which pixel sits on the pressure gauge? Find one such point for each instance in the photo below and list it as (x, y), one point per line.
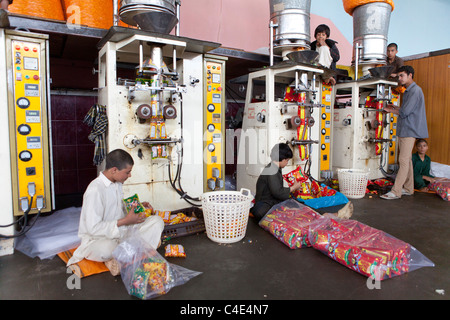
(211, 107)
(211, 147)
(25, 156)
(24, 129)
(211, 127)
(23, 103)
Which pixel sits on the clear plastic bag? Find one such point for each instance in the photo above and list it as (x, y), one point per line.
(51, 234)
(145, 273)
(289, 222)
(364, 249)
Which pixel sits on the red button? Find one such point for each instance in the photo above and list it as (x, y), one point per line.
(26, 48)
(17, 47)
(36, 77)
(34, 49)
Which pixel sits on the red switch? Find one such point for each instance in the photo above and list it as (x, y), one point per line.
(36, 77)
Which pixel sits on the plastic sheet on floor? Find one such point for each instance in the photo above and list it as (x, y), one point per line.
(51, 234)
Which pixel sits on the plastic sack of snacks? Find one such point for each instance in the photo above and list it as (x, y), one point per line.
(134, 200)
(366, 250)
(145, 273)
(442, 188)
(289, 222)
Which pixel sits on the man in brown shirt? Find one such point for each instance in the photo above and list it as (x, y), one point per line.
(392, 59)
(5, 3)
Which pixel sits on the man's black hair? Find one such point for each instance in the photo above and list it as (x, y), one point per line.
(280, 152)
(393, 45)
(408, 69)
(420, 141)
(118, 158)
(322, 28)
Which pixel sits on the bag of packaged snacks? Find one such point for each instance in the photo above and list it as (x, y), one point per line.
(366, 250)
(144, 272)
(289, 222)
(134, 200)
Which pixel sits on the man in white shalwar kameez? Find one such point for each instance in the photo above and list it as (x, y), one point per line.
(104, 222)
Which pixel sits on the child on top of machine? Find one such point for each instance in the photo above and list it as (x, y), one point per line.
(328, 51)
(104, 222)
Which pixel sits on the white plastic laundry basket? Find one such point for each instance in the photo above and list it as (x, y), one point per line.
(226, 214)
(353, 182)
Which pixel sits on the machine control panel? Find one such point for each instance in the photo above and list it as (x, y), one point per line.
(393, 131)
(214, 124)
(325, 125)
(28, 124)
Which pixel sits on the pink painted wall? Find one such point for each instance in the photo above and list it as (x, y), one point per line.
(243, 24)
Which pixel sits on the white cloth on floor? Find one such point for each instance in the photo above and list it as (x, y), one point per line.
(440, 170)
(98, 230)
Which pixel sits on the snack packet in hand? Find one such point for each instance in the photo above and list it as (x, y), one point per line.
(134, 200)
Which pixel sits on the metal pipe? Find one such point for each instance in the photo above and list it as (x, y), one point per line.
(115, 12)
(141, 57)
(357, 47)
(271, 27)
(177, 27)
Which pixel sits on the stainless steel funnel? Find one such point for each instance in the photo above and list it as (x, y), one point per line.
(150, 15)
(370, 31)
(292, 20)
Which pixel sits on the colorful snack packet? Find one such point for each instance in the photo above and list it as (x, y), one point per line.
(175, 251)
(134, 200)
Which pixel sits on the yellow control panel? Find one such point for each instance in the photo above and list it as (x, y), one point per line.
(325, 128)
(214, 125)
(29, 138)
(393, 131)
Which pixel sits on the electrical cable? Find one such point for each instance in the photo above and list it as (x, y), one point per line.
(180, 190)
(391, 174)
(23, 229)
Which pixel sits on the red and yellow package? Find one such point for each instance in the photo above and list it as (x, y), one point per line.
(295, 175)
(175, 251)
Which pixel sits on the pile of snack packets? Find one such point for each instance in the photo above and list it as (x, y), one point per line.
(167, 216)
(310, 189)
(151, 275)
(364, 249)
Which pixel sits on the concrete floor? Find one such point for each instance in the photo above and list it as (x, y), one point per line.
(259, 267)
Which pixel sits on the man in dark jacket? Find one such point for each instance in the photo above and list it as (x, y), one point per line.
(269, 187)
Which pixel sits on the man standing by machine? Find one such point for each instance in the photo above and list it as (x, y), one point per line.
(412, 124)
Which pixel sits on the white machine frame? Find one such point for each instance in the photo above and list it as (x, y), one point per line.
(264, 123)
(149, 178)
(351, 146)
